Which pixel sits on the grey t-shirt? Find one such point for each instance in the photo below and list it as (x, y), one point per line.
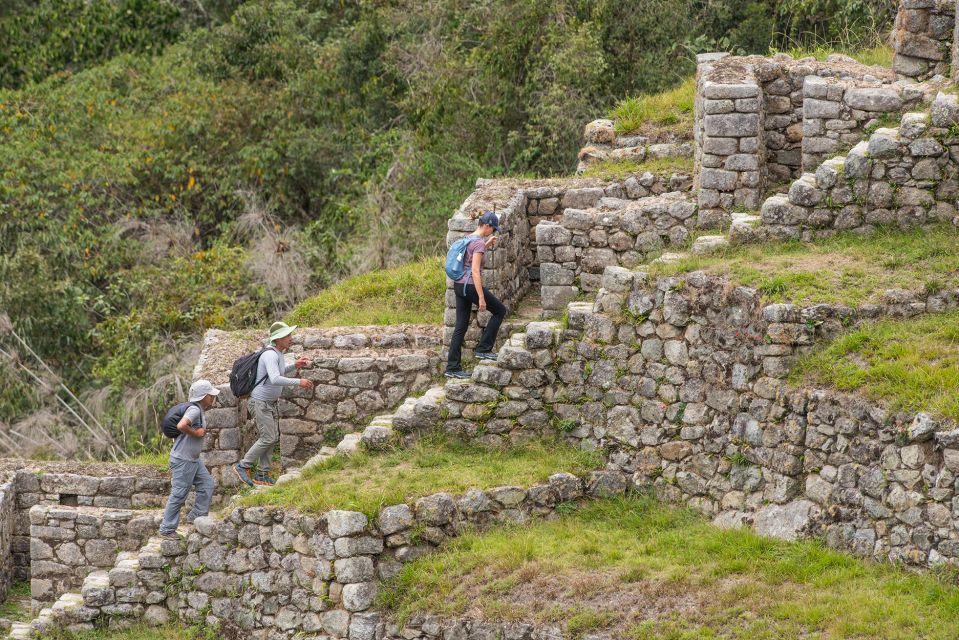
(187, 447)
(271, 369)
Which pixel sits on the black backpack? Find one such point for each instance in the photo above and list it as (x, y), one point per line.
(173, 417)
(243, 375)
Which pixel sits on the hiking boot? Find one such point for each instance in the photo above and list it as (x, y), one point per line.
(243, 475)
(485, 355)
(263, 480)
(170, 535)
(459, 375)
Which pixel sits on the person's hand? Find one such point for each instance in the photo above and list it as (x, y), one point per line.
(200, 432)
(491, 242)
(302, 362)
(482, 305)
(306, 384)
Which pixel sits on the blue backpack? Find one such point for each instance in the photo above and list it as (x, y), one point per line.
(456, 266)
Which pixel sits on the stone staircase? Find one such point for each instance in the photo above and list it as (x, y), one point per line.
(115, 591)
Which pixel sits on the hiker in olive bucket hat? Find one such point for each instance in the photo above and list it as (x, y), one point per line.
(264, 404)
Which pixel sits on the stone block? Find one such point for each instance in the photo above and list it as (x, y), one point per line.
(732, 125)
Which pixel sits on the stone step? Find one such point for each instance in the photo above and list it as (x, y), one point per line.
(20, 631)
(670, 257)
(705, 245)
(350, 443)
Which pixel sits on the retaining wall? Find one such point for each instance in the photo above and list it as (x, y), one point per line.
(682, 381)
(269, 573)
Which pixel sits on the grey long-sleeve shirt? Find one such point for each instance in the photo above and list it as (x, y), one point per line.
(273, 367)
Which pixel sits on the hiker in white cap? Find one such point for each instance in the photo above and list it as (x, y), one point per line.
(185, 466)
(264, 404)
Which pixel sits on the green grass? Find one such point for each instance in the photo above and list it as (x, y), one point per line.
(411, 293)
(878, 55)
(618, 169)
(13, 607)
(139, 632)
(672, 109)
(910, 364)
(369, 481)
(845, 269)
(642, 570)
(155, 458)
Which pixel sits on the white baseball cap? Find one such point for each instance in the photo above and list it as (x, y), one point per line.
(202, 388)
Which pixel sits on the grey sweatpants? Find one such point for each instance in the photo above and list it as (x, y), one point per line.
(266, 416)
(186, 475)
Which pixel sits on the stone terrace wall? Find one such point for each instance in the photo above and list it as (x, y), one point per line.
(904, 177)
(760, 120)
(687, 394)
(269, 573)
(574, 251)
(358, 372)
(523, 206)
(923, 38)
(68, 543)
(8, 516)
(51, 483)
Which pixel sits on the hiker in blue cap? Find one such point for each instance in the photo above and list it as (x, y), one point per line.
(469, 290)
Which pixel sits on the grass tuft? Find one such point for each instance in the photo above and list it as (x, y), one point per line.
(844, 269)
(686, 579)
(412, 293)
(367, 482)
(619, 169)
(672, 109)
(912, 365)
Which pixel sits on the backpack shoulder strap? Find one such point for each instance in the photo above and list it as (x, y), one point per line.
(262, 351)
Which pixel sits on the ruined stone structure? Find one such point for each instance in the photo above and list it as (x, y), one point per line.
(681, 379)
(924, 38)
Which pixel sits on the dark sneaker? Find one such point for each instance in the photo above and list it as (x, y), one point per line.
(263, 480)
(243, 475)
(486, 355)
(170, 535)
(459, 375)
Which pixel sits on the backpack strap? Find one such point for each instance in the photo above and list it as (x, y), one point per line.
(263, 379)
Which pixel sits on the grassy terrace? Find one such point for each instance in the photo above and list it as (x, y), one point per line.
(412, 293)
(667, 112)
(905, 364)
(369, 481)
(846, 269)
(619, 169)
(636, 569)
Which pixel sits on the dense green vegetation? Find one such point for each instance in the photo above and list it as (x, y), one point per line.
(634, 568)
(368, 482)
(845, 269)
(905, 364)
(150, 191)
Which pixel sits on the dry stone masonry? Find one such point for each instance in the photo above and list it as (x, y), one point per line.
(357, 371)
(761, 121)
(69, 543)
(904, 176)
(924, 38)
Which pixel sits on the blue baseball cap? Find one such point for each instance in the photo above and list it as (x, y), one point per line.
(491, 219)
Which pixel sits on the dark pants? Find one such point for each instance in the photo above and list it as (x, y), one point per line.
(464, 306)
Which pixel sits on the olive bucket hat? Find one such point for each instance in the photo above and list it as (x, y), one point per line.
(280, 330)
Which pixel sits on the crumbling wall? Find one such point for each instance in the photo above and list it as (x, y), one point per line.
(923, 38)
